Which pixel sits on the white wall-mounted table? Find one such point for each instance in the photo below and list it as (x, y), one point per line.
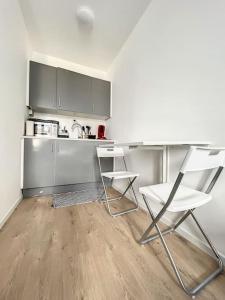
(162, 146)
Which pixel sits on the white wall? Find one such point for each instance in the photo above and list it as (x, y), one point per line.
(61, 63)
(168, 83)
(13, 72)
(67, 121)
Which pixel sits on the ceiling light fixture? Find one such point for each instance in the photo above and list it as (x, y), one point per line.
(85, 16)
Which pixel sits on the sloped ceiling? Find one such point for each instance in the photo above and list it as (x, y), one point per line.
(54, 30)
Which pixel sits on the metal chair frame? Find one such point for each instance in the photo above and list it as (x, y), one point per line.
(155, 219)
(107, 199)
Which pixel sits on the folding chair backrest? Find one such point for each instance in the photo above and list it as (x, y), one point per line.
(203, 158)
(110, 152)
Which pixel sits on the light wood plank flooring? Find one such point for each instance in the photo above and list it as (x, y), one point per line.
(81, 252)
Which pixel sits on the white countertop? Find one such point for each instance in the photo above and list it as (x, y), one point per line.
(161, 143)
(67, 139)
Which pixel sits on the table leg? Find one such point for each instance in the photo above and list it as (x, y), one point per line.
(165, 164)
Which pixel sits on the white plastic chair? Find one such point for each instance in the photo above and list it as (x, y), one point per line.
(179, 198)
(116, 152)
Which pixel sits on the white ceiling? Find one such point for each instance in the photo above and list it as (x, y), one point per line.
(54, 30)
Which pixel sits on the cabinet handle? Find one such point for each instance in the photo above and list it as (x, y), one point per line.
(52, 147)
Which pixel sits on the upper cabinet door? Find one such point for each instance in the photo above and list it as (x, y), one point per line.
(74, 92)
(42, 89)
(101, 91)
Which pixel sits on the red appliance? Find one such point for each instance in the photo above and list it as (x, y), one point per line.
(101, 132)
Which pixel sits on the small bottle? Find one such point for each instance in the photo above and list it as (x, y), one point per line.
(76, 130)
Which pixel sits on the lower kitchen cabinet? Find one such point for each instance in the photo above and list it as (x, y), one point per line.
(74, 162)
(49, 163)
(39, 163)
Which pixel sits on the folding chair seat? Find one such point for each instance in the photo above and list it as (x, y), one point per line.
(184, 199)
(116, 152)
(179, 198)
(120, 174)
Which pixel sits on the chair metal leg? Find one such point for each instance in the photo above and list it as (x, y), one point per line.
(135, 197)
(190, 291)
(145, 236)
(182, 219)
(104, 190)
(156, 236)
(105, 193)
(100, 198)
(108, 200)
(166, 231)
(208, 240)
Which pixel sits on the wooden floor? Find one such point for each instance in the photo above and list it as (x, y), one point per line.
(81, 252)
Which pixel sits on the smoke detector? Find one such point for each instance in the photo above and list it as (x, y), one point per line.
(85, 16)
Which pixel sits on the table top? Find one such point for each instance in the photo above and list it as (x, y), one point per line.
(159, 143)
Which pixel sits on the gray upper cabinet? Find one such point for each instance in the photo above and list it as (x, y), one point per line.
(42, 86)
(38, 163)
(100, 94)
(58, 90)
(74, 92)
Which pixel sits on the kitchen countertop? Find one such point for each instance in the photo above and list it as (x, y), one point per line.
(67, 139)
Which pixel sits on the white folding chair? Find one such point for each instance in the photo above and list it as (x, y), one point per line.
(179, 198)
(116, 152)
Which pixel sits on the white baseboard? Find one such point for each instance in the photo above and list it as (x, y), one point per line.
(192, 238)
(183, 232)
(9, 212)
(198, 243)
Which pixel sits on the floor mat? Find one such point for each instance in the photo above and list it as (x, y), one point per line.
(74, 198)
